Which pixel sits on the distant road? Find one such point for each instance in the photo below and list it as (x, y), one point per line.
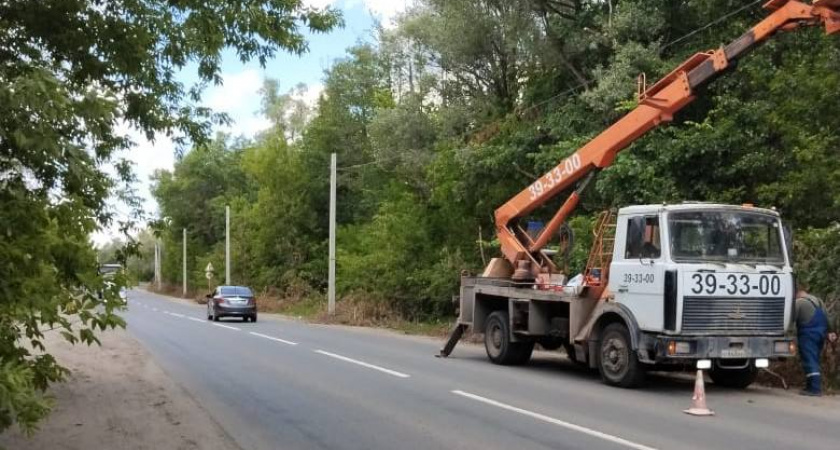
(282, 384)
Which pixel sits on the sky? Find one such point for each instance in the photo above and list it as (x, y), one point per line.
(239, 96)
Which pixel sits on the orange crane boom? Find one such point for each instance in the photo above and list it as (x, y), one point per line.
(657, 104)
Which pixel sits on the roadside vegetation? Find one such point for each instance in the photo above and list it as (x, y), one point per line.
(439, 120)
(74, 76)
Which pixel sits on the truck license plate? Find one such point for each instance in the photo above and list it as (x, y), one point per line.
(733, 353)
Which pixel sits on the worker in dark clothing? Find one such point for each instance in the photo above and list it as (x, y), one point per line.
(812, 327)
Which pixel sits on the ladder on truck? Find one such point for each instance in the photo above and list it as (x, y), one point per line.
(597, 269)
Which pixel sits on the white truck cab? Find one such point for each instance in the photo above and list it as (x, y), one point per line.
(704, 281)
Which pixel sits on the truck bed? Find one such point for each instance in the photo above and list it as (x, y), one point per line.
(501, 293)
(504, 287)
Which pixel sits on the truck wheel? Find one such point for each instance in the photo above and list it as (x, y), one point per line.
(734, 378)
(497, 342)
(617, 362)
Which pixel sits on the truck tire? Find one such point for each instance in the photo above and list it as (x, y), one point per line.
(734, 378)
(617, 362)
(497, 342)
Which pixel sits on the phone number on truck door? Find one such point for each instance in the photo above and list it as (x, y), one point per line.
(646, 278)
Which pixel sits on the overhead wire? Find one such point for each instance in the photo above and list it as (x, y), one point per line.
(378, 161)
(711, 24)
(568, 92)
(685, 37)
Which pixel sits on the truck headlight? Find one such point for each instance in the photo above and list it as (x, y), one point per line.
(679, 348)
(785, 347)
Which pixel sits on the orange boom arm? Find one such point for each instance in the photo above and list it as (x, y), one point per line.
(657, 104)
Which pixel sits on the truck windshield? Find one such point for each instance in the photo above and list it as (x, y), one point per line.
(724, 236)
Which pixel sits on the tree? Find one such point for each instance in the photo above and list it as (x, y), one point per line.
(71, 71)
(289, 113)
(479, 44)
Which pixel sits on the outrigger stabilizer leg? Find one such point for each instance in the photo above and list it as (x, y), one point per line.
(454, 337)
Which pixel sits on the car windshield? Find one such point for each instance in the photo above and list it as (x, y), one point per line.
(235, 291)
(722, 236)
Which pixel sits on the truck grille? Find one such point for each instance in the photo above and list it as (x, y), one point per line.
(710, 314)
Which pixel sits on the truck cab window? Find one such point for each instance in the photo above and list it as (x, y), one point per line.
(643, 239)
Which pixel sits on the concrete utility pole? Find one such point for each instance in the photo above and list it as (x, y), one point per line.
(227, 245)
(157, 265)
(185, 263)
(331, 288)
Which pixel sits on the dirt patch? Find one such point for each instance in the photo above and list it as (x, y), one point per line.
(118, 397)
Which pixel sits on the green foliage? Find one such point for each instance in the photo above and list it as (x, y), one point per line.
(72, 73)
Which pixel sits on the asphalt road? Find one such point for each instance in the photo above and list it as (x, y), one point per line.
(283, 384)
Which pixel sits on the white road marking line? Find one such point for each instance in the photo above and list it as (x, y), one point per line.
(177, 315)
(364, 364)
(195, 320)
(166, 312)
(273, 338)
(154, 309)
(226, 326)
(551, 420)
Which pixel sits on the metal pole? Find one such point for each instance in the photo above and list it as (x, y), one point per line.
(185, 262)
(331, 288)
(227, 245)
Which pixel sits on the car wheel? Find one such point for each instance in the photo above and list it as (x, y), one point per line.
(617, 362)
(215, 316)
(209, 316)
(244, 318)
(254, 318)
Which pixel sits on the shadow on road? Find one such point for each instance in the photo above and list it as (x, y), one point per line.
(676, 382)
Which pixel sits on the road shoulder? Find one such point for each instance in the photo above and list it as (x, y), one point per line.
(118, 397)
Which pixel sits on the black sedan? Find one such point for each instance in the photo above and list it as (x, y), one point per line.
(232, 301)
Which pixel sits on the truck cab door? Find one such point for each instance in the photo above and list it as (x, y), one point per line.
(637, 275)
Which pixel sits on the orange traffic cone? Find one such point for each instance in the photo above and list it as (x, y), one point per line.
(698, 401)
